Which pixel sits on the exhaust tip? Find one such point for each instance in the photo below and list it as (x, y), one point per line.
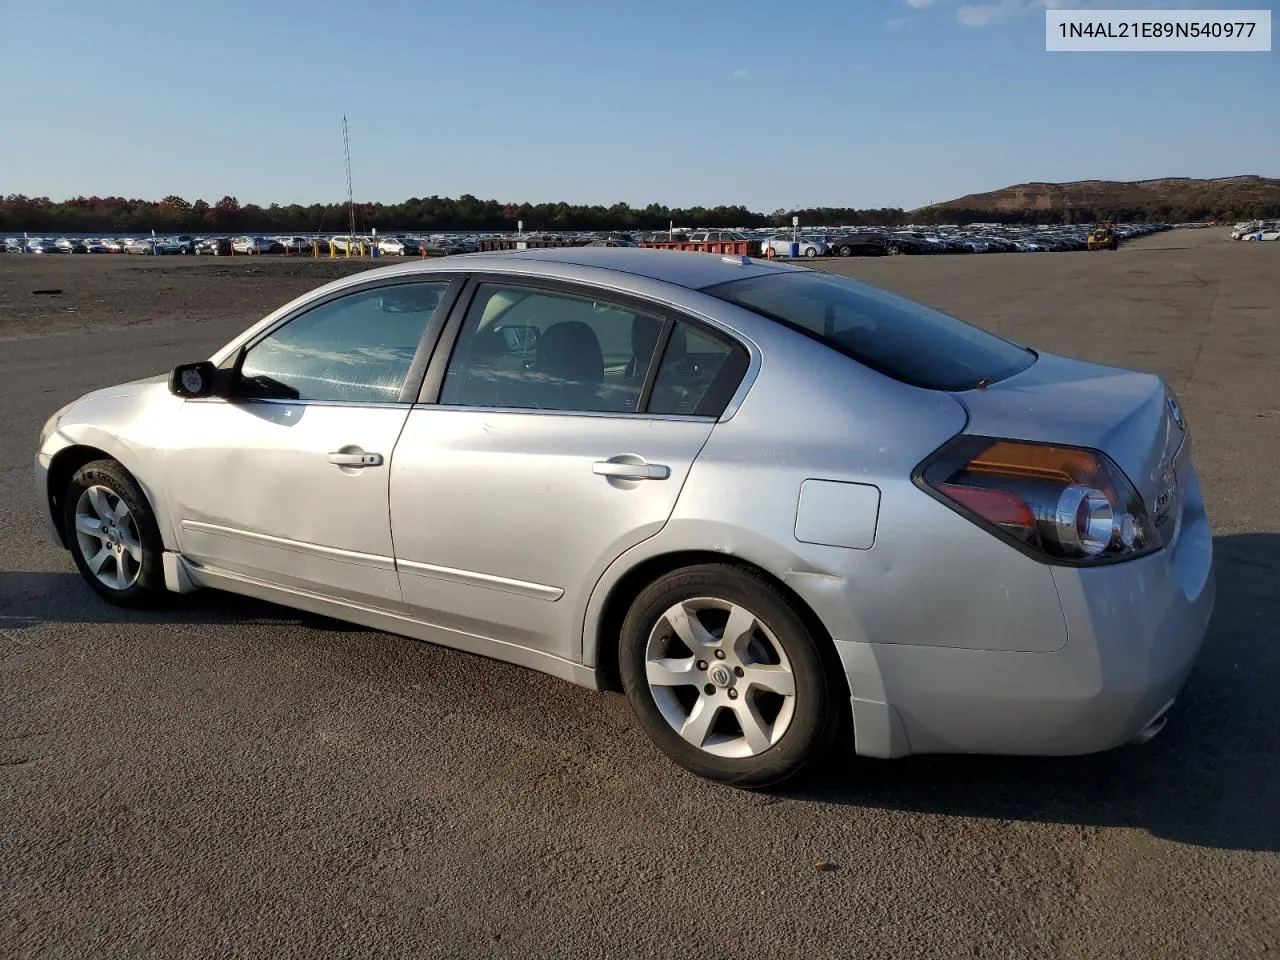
(1154, 726)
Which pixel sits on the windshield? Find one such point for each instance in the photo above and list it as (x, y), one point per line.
(890, 334)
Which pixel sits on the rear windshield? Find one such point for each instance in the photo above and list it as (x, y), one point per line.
(890, 334)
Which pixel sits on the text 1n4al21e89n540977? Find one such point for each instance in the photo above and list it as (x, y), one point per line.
(1158, 30)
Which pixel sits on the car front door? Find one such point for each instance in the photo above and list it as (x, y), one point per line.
(285, 481)
(557, 429)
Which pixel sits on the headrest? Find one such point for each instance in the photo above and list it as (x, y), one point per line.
(570, 350)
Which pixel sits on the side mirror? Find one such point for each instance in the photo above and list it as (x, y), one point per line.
(191, 380)
(520, 337)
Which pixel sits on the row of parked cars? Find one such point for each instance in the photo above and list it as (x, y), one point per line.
(1257, 230)
(229, 246)
(894, 241)
(873, 241)
(978, 238)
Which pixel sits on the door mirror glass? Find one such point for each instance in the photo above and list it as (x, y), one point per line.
(520, 337)
(190, 380)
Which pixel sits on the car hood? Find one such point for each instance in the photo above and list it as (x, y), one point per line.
(123, 390)
(1126, 414)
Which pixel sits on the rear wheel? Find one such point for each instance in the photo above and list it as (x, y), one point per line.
(726, 678)
(811, 251)
(113, 535)
(846, 251)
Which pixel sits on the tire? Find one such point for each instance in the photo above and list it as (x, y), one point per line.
(131, 574)
(894, 250)
(845, 251)
(811, 252)
(781, 653)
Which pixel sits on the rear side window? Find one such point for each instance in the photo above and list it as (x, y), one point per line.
(890, 334)
(538, 349)
(698, 374)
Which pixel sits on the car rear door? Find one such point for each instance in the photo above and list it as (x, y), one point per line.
(548, 442)
(285, 483)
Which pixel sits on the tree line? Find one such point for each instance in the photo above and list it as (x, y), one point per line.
(174, 214)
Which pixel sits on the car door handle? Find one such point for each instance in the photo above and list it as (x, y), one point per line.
(356, 459)
(631, 471)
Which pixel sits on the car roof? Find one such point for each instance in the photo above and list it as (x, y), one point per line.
(681, 268)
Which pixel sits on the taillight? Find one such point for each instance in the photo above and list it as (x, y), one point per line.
(1065, 504)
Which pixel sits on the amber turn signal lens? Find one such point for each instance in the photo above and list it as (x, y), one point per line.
(1032, 461)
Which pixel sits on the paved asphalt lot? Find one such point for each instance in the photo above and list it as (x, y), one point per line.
(229, 778)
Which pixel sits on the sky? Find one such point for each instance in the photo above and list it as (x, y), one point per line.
(861, 103)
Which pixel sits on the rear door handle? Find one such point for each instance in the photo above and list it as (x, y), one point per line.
(631, 471)
(356, 459)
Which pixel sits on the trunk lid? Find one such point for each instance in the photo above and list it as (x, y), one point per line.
(1129, 416)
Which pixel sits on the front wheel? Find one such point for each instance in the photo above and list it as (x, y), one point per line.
(846, 251)
(811, 251)
(113, 535)
(726, 678)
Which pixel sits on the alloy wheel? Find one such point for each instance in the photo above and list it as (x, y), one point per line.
(107, 537)
(720, 677)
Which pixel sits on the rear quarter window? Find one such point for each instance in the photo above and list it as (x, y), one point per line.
(890, 334)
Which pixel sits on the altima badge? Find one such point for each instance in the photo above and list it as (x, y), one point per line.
(1160, 506)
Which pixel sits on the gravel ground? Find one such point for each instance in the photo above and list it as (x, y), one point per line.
(229, 778)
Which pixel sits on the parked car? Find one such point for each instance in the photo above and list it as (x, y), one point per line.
(139, 246)
(1268, 230)
(294, 245)
(96, 246)
(256, 245)
(214, 247)
(1011, 556)
(399, 247)
(42, 246)
(901, 242)
(356, 244)
(858, 245)
(780, 246)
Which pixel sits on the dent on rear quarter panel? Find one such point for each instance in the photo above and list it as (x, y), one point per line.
(930, 578)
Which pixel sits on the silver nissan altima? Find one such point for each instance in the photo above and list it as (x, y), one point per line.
(777, 506)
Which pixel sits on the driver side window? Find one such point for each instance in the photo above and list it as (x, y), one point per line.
(356, 349)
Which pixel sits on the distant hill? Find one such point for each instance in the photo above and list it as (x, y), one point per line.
(1170, 198)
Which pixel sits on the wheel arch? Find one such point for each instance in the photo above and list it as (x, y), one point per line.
(64, 465)
(603, 639)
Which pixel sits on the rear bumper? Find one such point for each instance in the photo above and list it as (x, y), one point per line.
(1134, 631)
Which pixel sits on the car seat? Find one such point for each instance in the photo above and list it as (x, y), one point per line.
(569, 367)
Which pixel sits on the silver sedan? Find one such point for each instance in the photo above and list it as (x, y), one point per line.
(779, 508)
